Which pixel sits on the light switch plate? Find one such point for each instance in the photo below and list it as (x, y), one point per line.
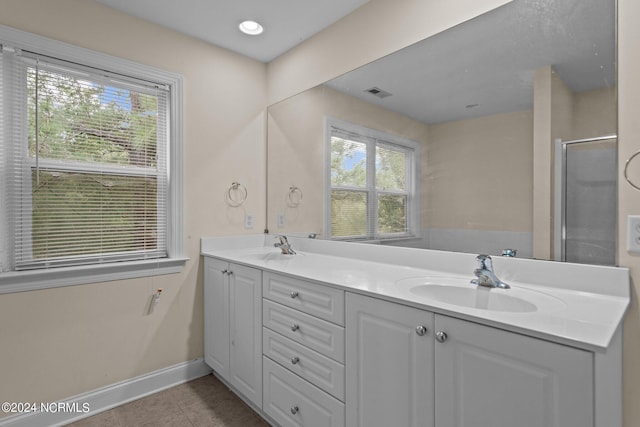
(633, 234)
(248, 221)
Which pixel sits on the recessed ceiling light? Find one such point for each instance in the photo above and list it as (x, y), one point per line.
(251, 27)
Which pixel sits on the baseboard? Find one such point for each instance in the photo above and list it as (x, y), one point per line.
(102, 399)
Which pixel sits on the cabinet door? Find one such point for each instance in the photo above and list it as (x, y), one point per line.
(389, 364)
(245, 291)
(494, 378)
(216, 316)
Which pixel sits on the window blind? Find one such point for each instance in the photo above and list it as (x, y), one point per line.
(84, 164)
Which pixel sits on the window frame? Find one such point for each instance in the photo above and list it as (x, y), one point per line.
(377, 138)
(26, 280)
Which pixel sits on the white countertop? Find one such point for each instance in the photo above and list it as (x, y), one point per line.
(573, 304)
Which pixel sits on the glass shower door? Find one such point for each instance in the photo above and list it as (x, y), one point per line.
(589, 199)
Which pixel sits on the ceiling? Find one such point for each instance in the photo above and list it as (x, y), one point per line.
(453, 75)
(486, 65)
(287, 22)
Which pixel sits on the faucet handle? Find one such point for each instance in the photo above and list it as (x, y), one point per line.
(484, 262)
(509, 252)
(282, 240)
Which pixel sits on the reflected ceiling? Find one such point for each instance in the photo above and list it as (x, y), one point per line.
(494, 73)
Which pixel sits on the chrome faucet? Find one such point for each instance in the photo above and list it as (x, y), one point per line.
(284, 245)
(485, 275)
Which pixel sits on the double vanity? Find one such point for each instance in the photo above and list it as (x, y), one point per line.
(348, 334)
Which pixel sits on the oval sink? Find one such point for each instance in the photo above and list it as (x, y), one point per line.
(270, 256)
(481, 298)
(458, 291)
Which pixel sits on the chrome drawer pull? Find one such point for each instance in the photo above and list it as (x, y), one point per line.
(294, 294)
(295, 327)
(295, 409)
(421, 330)
(295, 360)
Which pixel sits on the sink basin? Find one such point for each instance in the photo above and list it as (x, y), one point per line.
(481, 298)
(459, 292)
(270, 256)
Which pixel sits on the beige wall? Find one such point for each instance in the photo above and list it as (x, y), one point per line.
(478, 173)
(628, 197)
(57, 343)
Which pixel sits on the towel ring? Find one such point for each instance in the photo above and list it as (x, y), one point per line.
(236, 194)
(626, 175)
(294, 197)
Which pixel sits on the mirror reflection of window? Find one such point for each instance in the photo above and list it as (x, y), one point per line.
(372, 191)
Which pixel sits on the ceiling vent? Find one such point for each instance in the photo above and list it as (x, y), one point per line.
(376, 91)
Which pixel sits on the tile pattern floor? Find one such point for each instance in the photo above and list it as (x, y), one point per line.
(204, 402)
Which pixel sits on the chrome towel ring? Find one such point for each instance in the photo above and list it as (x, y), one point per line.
(236, 194)
(626, 174)
(294, 197)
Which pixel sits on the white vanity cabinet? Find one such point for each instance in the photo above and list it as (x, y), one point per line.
(233, 325)
(490, 377)
(389, 360)
(303, 346)
(409, 367)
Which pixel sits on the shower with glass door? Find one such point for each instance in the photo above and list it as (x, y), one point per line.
(586, 200)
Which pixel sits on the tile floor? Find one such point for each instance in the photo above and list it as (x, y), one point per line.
(204, 402)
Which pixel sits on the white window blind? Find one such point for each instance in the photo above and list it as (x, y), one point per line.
(84, 164)
(372, 185)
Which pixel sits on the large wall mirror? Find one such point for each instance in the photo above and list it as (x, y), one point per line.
(514, 117)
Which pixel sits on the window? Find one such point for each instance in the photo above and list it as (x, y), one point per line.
(89, 165)
(372, 184)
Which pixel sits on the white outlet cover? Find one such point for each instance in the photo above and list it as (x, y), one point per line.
(633, 234)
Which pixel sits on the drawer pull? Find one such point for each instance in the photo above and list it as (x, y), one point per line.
(294, 410)
(294, 294)
(295, 327)
(421, 330)
(295, 360)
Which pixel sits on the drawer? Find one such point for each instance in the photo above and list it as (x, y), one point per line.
(319, 370)
(321, 301)
(292, 401)
(320, 335)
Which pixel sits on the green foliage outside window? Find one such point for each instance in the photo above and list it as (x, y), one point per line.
(79, 123)
(349, 195)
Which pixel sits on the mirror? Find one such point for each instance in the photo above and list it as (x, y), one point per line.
(487, 102)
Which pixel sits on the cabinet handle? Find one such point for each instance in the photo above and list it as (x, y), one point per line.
(294, 409)
(441, 336)
(225, 271)
(421, 330)
(295, 327)
(295, 360)
(294, 294)
(229, 273)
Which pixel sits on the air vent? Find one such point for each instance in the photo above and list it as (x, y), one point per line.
(376, 91)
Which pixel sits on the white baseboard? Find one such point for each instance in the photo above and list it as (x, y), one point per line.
(111, 396)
